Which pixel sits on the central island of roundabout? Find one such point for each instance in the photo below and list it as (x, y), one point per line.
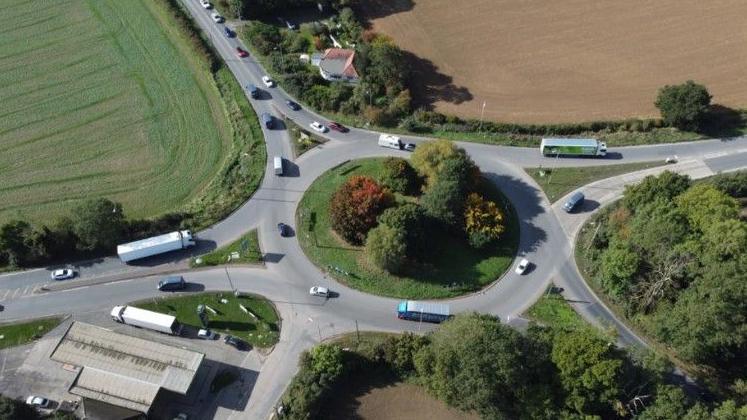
(430, 228)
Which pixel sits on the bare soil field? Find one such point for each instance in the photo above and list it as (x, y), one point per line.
(563, 61)
(397, 401)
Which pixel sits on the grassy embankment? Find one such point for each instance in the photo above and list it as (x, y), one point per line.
(453, 269)
(18, 334)
(246, 247)
(262, 331)
(557, 182)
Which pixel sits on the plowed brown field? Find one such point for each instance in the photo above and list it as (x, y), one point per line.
(570, 60)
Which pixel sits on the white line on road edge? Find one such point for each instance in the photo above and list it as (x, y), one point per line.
(18, 273)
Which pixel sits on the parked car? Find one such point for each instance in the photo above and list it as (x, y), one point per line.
(206, 335)
(229, 33)
(292, 105)
(319, 291)
(206, 4)
(316, 126)
(241, 52)
(522, 266)
(62, 274)
(268, 81)
(39, 402)
(337, 127)
(234, 341)
(217, 18)
(576, 200)
(283, 229)
(410, 147)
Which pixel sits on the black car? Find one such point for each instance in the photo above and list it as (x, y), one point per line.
(233, 341)
(283, 229)
(292, 105)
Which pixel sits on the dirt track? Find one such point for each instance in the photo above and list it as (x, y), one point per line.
(571, 60)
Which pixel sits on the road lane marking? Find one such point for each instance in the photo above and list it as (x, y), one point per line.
(6, 294)
(25, 290)
(15, 292)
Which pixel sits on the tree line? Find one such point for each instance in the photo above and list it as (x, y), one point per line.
(475, 363)
(673, 254)
(93, 228)
(447, 191)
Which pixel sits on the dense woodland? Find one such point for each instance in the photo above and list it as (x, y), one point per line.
(673, 254)
(475, 363)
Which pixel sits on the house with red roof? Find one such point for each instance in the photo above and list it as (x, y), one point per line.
(336, 65)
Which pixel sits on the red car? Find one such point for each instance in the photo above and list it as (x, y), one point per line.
(241, 53)
(337, 127)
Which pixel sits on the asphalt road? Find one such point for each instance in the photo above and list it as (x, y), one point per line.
(547, 238)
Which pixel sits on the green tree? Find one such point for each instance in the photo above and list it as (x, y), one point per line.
(386, 248)
(99, 225)
(476, 363)
(705, 205)
(14, 243)
(400, 350)
(619, 265)
(684, 106)
(410, 219)
(484, 222)
(444, 202)
(670, 403)
(724, 240)
(11, 409)
(430, 157)
(665, 187)
(590, 370)
(399, 176)
(327, 362)
(734, 183)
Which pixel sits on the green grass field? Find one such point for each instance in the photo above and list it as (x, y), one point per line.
(558, 182)
(454, 269)
(100, 101)
(26, 332)
(553, 311)
(230, 319)
(247, 247)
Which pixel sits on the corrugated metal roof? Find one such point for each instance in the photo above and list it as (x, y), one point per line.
(118, 367)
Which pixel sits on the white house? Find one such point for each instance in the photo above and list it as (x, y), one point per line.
(337, 65)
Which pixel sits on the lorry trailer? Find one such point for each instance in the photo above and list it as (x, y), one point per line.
(573, 147)
(141, 318)
(155, 245)
(393, 142)
(423, 311)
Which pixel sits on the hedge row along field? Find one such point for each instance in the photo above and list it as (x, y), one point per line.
(100, 101)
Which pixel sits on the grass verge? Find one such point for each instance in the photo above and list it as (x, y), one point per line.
(302, 140)
(557, 182)
(18, 334)
(553, 311)
(262, 331)
(244, 250)
(454, 268)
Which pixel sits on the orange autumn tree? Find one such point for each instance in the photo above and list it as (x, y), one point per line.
(356, 205)
(484, 222)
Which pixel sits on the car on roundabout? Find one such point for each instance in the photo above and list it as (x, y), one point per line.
(293, 105)
(283, 229)
(319, 291)
(337, 127)
(522, 267)
(217, 18)
(268, 81)
(241, 52)
(62, 274)
(318, 127)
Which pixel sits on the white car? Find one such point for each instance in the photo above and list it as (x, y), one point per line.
(62, 274)
(317, 126)
(35, 401)
(522, 267)
(206, 335)
(268, 81)
(319, 291)
(217, 18)
(206, 4)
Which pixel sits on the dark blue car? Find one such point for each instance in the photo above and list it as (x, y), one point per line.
(229, 33)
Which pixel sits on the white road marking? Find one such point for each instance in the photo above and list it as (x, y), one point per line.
(6, 294)
(15, 292)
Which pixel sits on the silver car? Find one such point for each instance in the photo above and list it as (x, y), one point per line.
(62, 274)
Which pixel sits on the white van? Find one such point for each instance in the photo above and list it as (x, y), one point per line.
(388, 140)
(278, 164)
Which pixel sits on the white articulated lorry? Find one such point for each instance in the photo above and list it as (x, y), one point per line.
(141, 318)
(155, 245)
(393, 142)
(573, 147)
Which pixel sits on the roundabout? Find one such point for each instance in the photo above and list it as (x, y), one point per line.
(546, 238)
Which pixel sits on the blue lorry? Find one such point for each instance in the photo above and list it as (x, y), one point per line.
(423, 311)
